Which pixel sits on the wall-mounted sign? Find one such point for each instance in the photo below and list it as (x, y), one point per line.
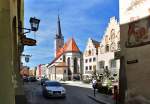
(132, 61)
(28, 41)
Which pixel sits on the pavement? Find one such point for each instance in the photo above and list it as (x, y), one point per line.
(99, 98)
(74, 95)
(77, 83)
(102, 98)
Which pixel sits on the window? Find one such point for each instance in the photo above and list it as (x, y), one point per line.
(112, 35)
(68, 61)
(94, 59)
(86, 60)
(90, 60)
(90, 67)
(101, 64)
(107, 48)
(64, 58)
(94, 67)
(75, 64)
(89, 52)
(86, 68)
(113, 63)
(118, 45)
(112, 47)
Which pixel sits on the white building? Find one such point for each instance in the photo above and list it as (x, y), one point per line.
(67, 64)
(110, 44)
(90, 58)
(135, 49)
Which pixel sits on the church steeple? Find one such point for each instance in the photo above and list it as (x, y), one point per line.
(59, 39)
(58, 34)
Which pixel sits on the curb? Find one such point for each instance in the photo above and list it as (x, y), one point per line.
(98, 101)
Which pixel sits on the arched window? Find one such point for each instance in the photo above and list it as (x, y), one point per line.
(89, 52)
(75, 64)
(113, 46)
(107, 48)
(69, 71)
(68, 61)
(112, 36)
(64, 58)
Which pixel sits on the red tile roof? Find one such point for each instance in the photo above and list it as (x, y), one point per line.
(69, 46)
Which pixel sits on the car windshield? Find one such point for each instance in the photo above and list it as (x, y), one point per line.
(52, 84)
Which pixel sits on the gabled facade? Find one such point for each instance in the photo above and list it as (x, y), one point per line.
(110, 44)
(90, 57)
(67, 63)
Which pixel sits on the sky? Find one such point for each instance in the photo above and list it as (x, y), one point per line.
(80, 19)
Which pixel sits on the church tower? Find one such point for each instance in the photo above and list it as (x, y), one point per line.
(59, 38)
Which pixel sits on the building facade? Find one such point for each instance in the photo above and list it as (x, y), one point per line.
(67, 62)
(110, 44)
(90, 57)
(11, 16)
(135, 49)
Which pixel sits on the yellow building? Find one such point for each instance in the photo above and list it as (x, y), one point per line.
(11, 17)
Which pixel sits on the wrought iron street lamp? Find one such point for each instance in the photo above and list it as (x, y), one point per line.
(34, 22)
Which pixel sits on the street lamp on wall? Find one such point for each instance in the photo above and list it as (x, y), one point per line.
(34, 22)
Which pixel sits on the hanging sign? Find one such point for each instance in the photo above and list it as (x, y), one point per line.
(28, 41)
(27, 58)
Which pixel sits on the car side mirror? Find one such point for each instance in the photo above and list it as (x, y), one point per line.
(44, 84)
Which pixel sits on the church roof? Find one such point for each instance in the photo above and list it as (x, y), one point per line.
(69, 46)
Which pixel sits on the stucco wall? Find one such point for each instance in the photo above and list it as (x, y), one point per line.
(138, 74)
(136, 55)
(6, 57)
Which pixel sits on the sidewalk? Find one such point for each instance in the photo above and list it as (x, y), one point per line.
(100, 98)
(77, 83)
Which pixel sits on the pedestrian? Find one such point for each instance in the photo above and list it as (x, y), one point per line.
(94, 82)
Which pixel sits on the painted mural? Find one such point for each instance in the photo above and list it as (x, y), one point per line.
(139, 33)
